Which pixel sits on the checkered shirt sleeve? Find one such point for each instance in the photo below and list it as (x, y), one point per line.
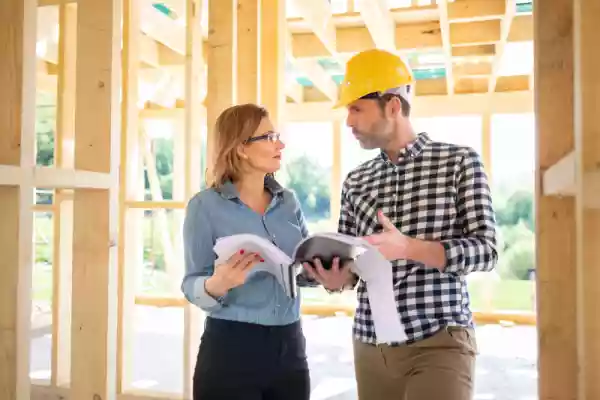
(437, 192)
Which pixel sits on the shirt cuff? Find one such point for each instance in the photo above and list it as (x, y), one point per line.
(204, 300)
(455, 257)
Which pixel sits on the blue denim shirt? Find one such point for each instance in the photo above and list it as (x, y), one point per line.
(214, 213)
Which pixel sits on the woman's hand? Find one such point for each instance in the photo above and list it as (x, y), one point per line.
(231, 274)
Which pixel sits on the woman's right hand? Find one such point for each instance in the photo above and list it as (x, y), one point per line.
(232, 273)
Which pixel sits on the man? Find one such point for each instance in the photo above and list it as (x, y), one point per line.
(427, 207)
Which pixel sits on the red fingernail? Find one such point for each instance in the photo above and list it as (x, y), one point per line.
(262, 260)
(242, 251)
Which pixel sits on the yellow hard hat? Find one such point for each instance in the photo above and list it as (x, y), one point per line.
(373, 71)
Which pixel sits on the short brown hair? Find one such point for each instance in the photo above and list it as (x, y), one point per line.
(234, 125)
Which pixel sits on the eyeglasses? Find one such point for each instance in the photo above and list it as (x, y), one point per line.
(269, 136)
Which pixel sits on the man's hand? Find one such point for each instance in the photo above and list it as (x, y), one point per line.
(392, 243)
(333, 279)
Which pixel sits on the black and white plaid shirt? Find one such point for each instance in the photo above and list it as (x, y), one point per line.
(437, 192)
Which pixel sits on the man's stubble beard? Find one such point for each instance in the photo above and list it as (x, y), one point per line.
(378, 138)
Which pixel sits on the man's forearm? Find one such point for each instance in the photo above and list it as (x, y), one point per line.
(430, 253)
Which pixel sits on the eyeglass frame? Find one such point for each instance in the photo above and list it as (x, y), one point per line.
(265, 136)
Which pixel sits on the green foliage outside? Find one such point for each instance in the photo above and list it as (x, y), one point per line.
(515, 218)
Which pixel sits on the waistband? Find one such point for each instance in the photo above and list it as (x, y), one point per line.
(212, 324)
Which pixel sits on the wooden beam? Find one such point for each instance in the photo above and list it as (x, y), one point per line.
(408, 36)
(378, 20)
(17, 124)
(474, 84)
(481, 51)
(470, 33)
(427, 106)
(431, 87)
(475, 10)
(62, 257)
(274, 42)
(318, 76)
(418, 35)
(587, 156)
(555, 216)
(194, 122)
(294, 91)
(317, 14)
(67, 178)
(446, 45)
(131, 186)
(513, 83)
(222, 65)
(472, 68)
(95, 279)
(521, 29)
(248, 46)
(561, 180)
(162, 28)
(511, 9)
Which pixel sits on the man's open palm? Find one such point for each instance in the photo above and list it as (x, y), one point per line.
(390, 242)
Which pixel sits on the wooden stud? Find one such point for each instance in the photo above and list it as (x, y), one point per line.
(249, 38)
(95, 274)
(221, 64)
(62, 262)
(194, 117)
(587, 153)
(273, 45)
(17, 124)
(336, 172)
(131, 187)
(555, 216)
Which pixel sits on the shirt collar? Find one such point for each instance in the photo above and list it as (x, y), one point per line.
(412, 149)
(229, 190)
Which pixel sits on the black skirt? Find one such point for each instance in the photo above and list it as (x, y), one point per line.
(238, 360)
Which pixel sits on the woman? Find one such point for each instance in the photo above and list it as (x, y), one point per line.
(253, 346)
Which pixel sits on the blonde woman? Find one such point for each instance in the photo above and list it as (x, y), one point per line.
(253, 346)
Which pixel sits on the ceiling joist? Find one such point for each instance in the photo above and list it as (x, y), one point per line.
(378, 20)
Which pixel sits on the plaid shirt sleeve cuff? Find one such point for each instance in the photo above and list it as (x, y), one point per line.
(467, 255)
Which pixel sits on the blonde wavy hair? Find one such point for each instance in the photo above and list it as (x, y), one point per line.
(233, 127)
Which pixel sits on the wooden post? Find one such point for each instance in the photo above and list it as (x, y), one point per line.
(272, 63)
(587, 156)
(336, 173)
(190, 137)
(130, 258)
(95, 273)
(486, 143)
(249, 49)
(555, 217)
(17, 138)
(221, 64)
(62, 263)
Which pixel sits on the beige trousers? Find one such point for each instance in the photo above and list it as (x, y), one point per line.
(440, 367)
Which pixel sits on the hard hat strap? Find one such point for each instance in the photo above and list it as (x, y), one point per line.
(404, 91)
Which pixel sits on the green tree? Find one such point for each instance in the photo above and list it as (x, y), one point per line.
(518, 207)
(310, 182)
(516, 244)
